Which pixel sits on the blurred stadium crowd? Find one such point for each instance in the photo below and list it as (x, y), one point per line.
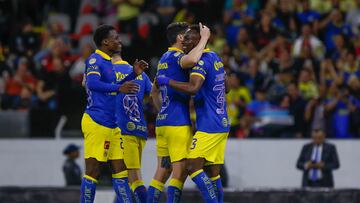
(293, 65)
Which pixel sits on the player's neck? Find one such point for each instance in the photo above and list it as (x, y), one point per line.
(177, 45)
(106, 51)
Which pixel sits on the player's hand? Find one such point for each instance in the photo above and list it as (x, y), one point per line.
(162, 80)
(204, 31)
(129, 87)
(140, 66)
(319, 165)
(309, 165)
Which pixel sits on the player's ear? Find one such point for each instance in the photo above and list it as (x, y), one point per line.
(180, 37)
(105, 42)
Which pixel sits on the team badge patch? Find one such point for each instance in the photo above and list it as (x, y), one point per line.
(201, 62)
(130, 126)
(92, 61)
(224, 122)
(177, 54)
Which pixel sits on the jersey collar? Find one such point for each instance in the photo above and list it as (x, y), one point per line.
(103, 54)
(122, 62)
(175, 49)
(206, 50)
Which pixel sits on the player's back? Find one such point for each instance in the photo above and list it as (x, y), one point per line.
(175, 105)
(129, 107)
(210, 102)
(101, 105)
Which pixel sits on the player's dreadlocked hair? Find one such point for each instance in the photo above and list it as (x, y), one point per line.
(101, 33)
(175, 29)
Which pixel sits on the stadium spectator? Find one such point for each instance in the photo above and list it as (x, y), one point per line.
(296, 106)
(307, 15)
(266, 31)
(307, 84)
(259, 41)
(71, 169)
(78, 68)
(338, 109)
(27, 42)
(334, 25)
(237, 99)
(315, 111)
(317, 160)
(19, 88)
(308, 39)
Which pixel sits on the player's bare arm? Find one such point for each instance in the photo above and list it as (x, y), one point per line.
(129, 87)
(156, 96)
(191, 87)
(190, 59)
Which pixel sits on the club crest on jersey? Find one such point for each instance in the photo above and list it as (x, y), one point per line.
(130, 126)
(177, 54)
(92, 61)
(224, 122)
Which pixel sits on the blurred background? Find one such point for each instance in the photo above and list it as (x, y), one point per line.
(286, 59)
(293, 67)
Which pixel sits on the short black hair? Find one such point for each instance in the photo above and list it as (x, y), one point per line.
(101, 33)
(195, 28)
(174, 29)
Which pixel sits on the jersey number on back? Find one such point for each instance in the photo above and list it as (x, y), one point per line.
(220, 98)
(131, 107)
(164, 97)
(89, 99)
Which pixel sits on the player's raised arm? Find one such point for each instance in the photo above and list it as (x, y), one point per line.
(191, 87)
(189, 60)
(138, 68)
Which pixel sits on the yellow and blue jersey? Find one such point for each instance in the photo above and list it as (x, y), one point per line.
(210, 101)
(175, 105)
(129, 107)
(101, 104)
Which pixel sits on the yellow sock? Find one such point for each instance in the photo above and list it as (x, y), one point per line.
(122, 174)
(196, 173)
(136, 184)
(157, 184)
(90, 178)
(215, 178)
(176, 183)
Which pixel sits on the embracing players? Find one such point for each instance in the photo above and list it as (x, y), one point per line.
(207, 83)
(101, 134)
(173, 125)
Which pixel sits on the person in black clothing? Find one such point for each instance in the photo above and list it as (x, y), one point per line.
(71, 169)
(318, 159)
(296, 108)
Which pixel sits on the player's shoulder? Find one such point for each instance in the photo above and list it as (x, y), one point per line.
(210, 54)
(123, 64)
(173, 52)
(94, 58)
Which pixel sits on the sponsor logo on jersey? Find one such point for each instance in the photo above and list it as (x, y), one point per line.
(224, 122)
(130, 126)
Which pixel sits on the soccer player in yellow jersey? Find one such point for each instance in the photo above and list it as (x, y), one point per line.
(173, 125)
(101, 134)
